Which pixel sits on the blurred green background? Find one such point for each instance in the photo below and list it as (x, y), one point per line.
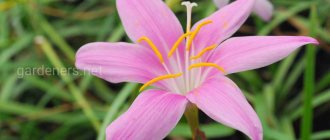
(292, 97)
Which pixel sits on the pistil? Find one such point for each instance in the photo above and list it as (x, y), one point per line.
(189, 6)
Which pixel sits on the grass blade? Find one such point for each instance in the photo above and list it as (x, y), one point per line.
(46, 47)
(309, 82)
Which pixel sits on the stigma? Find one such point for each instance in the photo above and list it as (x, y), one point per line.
(189, 4)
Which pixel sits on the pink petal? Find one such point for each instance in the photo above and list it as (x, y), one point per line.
(150, 18)
(226, 22)
(152, 116)
(264, 9)
(223, 101)
(247, 53)
(221, 3)
(119, 62)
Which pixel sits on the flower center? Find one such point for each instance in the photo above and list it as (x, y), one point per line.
(191, 75)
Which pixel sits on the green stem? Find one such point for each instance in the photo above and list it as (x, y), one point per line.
(309, 80)
(191, 115)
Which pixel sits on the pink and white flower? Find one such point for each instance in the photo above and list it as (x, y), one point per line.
(184, 67)
(263, 8)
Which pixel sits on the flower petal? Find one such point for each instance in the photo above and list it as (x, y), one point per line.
(221, 3)
(226, 22)
(264, 9)
(247, 53)
(150, 18)
(152, 116)
(119, 62)
(223, 101)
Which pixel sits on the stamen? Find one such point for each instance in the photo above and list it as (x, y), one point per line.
(153, 47)
(203, 51)
(158, 79)
(207, 65)
(194, 33)
(177, 43)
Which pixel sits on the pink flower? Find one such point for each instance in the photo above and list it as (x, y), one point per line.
(183, 67)
(262, 8)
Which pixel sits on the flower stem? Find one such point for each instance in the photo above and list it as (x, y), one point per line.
(191, 114)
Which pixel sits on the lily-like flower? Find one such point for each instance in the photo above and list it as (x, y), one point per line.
(263, 8)
(184, 67)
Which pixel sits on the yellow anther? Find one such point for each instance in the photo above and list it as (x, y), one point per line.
(158, 79)
(153, 47)
(177, 43)
(203, 51)
(207, 65)
(194, 33)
